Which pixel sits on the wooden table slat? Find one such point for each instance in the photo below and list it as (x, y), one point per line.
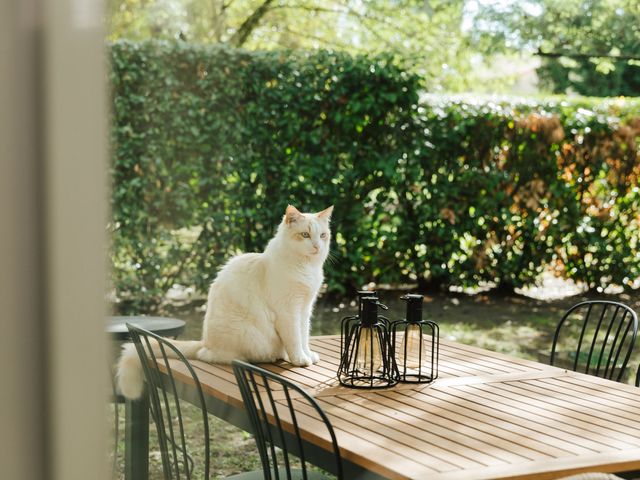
(488, 415)
(389, 437)
(379, 454)
(599, 386)
(508, 434)
(605, 396)
(482, 436)
(547, 414)
(426, 424)
(614, 426)
(609, 409)
(531, 431)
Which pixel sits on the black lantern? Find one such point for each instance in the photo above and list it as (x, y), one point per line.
(366, 359)
(415, 344)
(347, 322)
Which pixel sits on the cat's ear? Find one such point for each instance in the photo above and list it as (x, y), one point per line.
(292, 215)
(326, 213)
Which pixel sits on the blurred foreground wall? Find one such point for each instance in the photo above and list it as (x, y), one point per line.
(52, 213)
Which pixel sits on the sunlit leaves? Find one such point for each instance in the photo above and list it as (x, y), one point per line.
(589, 47)
(443, 191)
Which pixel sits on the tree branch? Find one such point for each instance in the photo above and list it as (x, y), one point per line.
(585, 56)
(349, 12)
(346, 11)
(249, 25)
(389, 44)
(219, 17)
(307, 35)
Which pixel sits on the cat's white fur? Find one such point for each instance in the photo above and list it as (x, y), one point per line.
(259, 305)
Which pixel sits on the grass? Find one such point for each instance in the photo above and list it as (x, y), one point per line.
(520, 325)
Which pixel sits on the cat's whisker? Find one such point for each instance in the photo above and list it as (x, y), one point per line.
(332, 258)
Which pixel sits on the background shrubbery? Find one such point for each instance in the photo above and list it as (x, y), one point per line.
(210, 144)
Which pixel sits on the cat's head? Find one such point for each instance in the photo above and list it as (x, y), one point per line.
(307, 234)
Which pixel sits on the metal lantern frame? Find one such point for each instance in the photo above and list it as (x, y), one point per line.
(359, 367)
(347, 322)
(426, 368)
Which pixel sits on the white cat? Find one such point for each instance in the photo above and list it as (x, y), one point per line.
(259, 305)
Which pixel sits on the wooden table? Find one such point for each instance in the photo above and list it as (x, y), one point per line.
(487, 416)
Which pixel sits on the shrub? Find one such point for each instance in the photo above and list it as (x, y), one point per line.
(527, 185)
(210, 144)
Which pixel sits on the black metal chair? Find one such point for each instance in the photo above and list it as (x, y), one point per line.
(606, 333)
(275, 407)
(167, 409)
(116, 399)
(638, 377)
(116, 328)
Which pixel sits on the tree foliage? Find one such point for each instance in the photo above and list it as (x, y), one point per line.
(591, 47)
(424, 36)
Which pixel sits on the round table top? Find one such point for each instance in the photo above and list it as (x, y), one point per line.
(167, 327)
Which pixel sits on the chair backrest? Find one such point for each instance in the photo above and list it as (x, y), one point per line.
(276, 407)
(605, 332)
(167, 408)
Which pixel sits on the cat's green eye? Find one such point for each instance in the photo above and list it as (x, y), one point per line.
(323, 235)
(305, 235)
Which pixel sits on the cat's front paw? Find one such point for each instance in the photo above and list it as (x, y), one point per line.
(315, 358)
(300, 360)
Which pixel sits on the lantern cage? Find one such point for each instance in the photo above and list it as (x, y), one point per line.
(348, 322)
(415, 344)
(366, 359)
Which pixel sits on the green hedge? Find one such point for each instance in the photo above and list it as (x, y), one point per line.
(510, 188)
(210, 144)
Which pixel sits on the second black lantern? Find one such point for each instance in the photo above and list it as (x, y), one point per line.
(415, 344)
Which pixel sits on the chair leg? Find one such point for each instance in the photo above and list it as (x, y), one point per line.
(136, 450)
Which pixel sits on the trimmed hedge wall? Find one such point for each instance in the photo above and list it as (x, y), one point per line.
(508, 189)
(210, 144)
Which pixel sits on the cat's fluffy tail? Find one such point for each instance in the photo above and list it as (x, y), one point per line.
(130, 375)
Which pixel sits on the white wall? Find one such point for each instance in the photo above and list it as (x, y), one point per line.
(53, 197)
